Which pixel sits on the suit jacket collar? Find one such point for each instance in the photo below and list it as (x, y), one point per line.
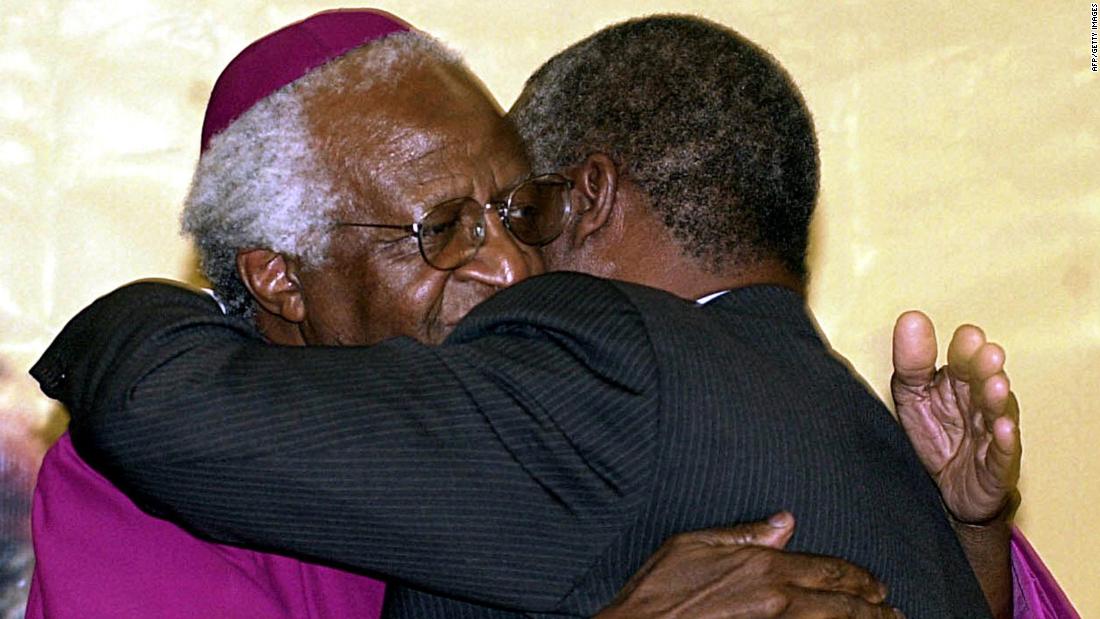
(767, 301)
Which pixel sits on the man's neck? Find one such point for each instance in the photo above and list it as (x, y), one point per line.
(687, 281)
(647, 252)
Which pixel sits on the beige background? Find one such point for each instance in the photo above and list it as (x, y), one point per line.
(959, 144)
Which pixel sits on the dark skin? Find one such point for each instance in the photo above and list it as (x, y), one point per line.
(398, 152)
(697, 574)
(963, 421)
(438, 136)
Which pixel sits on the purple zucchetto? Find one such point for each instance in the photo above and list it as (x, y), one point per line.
(287, 54)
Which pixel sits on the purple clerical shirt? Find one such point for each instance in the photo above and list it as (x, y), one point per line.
(1036, 595)
(98, 555)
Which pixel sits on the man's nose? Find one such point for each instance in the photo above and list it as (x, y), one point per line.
(500, 262)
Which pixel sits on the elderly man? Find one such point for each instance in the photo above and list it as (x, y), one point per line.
(520, 470)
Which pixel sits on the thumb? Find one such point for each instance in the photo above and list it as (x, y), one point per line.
(914, 349)
(774, 532)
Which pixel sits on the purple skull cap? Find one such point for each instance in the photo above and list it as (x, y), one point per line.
(287, 54)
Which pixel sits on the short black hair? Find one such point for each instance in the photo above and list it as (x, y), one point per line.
(707, 123)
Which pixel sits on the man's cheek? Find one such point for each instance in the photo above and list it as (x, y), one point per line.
(535, 262)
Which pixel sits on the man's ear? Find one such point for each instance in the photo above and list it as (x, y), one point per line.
(272, 280)
(595, 194)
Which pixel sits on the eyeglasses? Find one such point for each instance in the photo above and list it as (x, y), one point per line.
(450, 234)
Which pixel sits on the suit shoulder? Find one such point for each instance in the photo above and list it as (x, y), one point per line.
(577, 321)
(561, 285)
(562, 301)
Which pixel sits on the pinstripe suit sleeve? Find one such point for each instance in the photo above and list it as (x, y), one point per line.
(495, 468)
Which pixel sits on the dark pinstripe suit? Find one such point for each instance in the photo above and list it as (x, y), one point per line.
(566, 428)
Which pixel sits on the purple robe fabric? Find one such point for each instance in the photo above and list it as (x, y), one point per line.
(1036, 595)
(98, 555)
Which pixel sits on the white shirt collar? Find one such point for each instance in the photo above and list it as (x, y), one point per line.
(214, 295)
(710, 297)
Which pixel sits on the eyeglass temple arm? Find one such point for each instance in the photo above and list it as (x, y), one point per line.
(413, 228)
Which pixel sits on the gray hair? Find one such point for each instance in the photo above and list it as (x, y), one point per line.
(708, 124)
(261, 183)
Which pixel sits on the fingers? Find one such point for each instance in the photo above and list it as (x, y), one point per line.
(774, 532)
(1003, 457)
(809, 572)
(995, 399)
(989, 382)
(981, 364)
(817, 573)
(993, 390)
(965, 343)
(914, 349)
(824, 605)
(988, 360)
(1011, 412)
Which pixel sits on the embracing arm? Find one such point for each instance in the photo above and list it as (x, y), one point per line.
(468, 469)
(743, 572)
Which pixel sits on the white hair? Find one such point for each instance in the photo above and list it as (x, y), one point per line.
(260, 184)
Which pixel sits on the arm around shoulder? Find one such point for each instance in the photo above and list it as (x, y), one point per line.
(524, 435)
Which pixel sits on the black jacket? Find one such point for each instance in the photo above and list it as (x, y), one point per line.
(533, 461)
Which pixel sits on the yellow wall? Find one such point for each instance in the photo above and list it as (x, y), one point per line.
(959, 144)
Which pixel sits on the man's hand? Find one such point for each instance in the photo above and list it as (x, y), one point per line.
(744, 572)
(962, 420)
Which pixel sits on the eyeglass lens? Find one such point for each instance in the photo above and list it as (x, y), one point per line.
(451, 233)
(536, 210)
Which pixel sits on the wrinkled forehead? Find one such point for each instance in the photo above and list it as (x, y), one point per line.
(430, 133)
